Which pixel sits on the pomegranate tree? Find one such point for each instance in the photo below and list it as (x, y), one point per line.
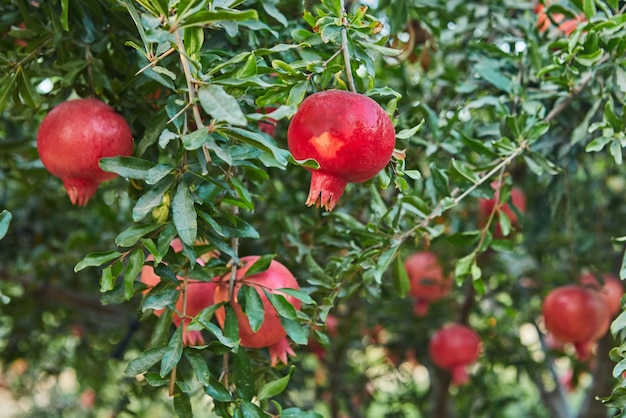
(199, 295)
(348, 134)
(428, 282)
(271, 333)
(72, 139)
(577, 315)
(453, 348)
(487, 206)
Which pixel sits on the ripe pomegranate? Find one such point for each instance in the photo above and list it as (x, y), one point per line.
(269, 125)
(612, 290)
(271, 331)
(577, 315)
(428, 282)
(487, 206)
(453, 348)
(348, 134)
(199, 297)
(74, 136)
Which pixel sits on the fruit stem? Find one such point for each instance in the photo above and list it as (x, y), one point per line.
(344, 46)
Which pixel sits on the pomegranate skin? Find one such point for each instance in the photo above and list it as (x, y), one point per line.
(348, 134)
(428, 283)
(276, 276)
(577, 315)
(486, 206)
(74, 136)
(453, 348)
(612, 289)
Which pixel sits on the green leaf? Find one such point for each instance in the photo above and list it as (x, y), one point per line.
(298, 333)
(611, 117)
(65, 9)
(27, 91)
(260, 265)
(217, 391)
(243, 374)
(231, 327)
(464, 171)
(129, 167)
(383, 263)
(96, 259)
(220, 105)
(275, 387)
(107, 280)
(401, 282)
(184, 214)
(252, 306)
(618, 324)
(250, 410)
(260, 141)
(174, 352)
(195, 139)
(132, 235)
(298, 294)
(199, 366)
(440, 180)
(616, 151)
(6, 88)
(135, 264)
(204, 17)
(281, 304)
(408, 133)
(489, 72)
(161, 299)
(5, 221)
(298, 413)
(182, 405)
(144, 361)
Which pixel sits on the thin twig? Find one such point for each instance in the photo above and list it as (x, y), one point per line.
(344, 47)
(190, 85)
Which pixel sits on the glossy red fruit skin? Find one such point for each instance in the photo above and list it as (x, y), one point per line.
(611, 289)
(348, 134)
(74, 136)
(276, 276)
(427, 280)
(453, 348)
(486, 206)
(577, 315)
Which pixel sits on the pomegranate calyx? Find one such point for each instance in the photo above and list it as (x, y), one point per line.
(80, 190)
(325, 190)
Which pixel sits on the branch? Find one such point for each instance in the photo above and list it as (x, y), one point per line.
(345, 48)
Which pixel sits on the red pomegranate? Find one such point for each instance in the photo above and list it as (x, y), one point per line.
(348, 134)
(275, 277)
(199, 297)
(577, 315)
(487, 206)
(453, 348)
(611, 289)
(72, 139)
(428, 282)
(566, 26)
(269, 125)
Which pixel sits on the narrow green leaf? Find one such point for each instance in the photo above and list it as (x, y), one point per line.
(298, 294)
(160, 299)
(135, 264)
(260, 265)
(281, 304)
(250, 410)
(174, 352)
(132, 235)
(220, 105)
(28, 93)
(144, 361)
(401, 282)
(260, 141)
(217, 391)
(65, 9)
(129, 167)
(199, 366)
(182, 405)
(184, 214)
(107, 280)
(96, 259)
(383, 263)
(243, 374)
(253, 306)
(6, 88)
(296, 331)
(5, 221)
(464, 171)
(440, 180)
(618, 324)
(490, 73)
(275, 387)
(298, 413)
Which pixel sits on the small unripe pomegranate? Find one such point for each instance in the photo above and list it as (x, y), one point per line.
(348, 134)
(486, 207)
(453, 348)
(612, 289)
(72, 139)
(577, 315)
(428, 282)
(275, 277)
(199, 296)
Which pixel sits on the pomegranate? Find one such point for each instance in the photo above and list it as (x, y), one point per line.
(428, 282)
(453, 348)
(269, 125)
(275, 277)
(348, 134)
(487, 206)
(74, 136)
(577, 315)
(199, 297)
(611, 289)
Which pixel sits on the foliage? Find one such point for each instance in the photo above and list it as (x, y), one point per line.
(476, 92)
